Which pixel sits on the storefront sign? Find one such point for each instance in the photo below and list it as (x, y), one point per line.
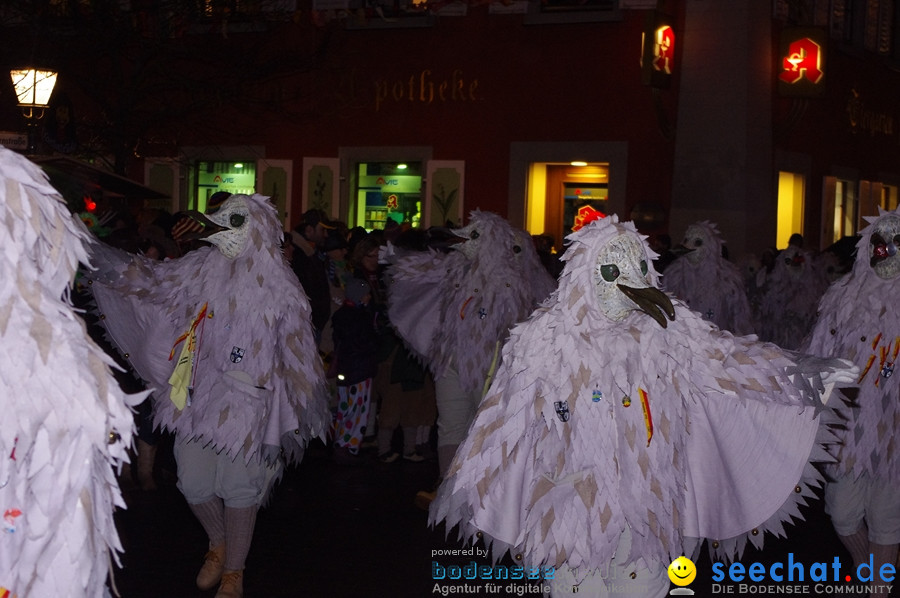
(14, 141)
(801, 72)
(426, 88)
(866, 120)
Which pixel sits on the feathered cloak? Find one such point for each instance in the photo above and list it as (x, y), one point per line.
(712, 287)
(258, 381)
(452, 308)
(787, 309)
(66, 423)
(562, 455)
(859, 319)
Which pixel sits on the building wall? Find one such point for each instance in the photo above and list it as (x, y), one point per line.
(722, 165)
(469, 87)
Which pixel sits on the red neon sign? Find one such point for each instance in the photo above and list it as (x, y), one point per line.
(664, 49)
(804, 61)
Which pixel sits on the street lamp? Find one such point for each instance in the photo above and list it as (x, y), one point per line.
(33, 89)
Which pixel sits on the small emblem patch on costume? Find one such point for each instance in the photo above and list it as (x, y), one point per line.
(887, 370)
(597, 395)
(9, 520)
(237, 354)
(562, 410)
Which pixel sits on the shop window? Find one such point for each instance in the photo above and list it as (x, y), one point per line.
(387, 191)
(888, 200)
(840, 209)
(211, 177)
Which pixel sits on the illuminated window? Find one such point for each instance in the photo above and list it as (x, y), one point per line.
(388, 191)
(841, 209)
(210, 177)
(791, 193)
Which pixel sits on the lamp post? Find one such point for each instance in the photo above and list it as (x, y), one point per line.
(33, 89)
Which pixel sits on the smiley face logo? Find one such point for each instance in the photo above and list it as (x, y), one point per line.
(682, 571)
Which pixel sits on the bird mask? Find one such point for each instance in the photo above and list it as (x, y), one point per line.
(228, 228)
(622, 275)
(883, 244)
(701, 239)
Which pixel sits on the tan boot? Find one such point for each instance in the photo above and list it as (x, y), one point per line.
(232, 585)
(212, 569)
(424, 499)
(146, 457)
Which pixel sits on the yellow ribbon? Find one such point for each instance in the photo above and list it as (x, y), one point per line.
(181, 379)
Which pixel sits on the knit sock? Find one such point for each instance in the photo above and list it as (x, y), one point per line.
(423, 435)
(211, 515)
(445, 457)
(857, 544)
(239, 524)
(409, 440)
(882, 554)
(384, 440)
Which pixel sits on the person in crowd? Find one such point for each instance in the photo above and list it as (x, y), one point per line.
(355, 366)
(707, 282)
(621, 429)
(308, 263)
(859, 319)
(662, 244)
(223, 336)
(454, 308)
(544, 244)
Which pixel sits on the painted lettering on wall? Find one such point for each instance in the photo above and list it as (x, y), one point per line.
(863, 119)
(426, 88)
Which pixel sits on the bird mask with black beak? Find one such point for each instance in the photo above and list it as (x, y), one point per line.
(228, 228)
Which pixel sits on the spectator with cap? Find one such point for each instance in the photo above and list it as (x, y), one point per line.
(308, 263)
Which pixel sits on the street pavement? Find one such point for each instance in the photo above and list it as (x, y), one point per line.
(335, 530)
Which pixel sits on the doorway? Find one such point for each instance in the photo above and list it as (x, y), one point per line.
(542, 176)
(559, 193)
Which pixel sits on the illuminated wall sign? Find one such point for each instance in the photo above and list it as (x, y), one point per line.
(801, 68)
(658, 52)
(664, 49)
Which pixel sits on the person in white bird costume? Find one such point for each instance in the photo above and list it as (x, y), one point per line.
(453, 309)
(223, 337)
(787, 307)
(66, 423)
(622, 428)
(859, 319)
(710, 284)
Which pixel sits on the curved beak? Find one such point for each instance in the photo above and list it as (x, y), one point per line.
(651, 301)
(194, 226)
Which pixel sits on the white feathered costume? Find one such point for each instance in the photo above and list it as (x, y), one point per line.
(859, 319)
(66, 424)
(710, 284)
(787, 308)
(605, 425)
(452, 308)
(254, 383)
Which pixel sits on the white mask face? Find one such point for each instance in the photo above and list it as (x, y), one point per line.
(883, 245)
(621, 261)
(698, 242)
(794, 260)
(234, 216)
(471, 233)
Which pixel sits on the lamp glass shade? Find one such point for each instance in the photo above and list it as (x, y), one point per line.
(33, 87)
